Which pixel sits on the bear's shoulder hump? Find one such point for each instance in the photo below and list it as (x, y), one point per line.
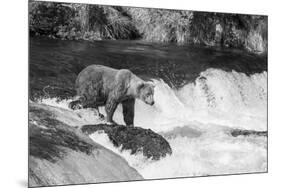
(125, 72)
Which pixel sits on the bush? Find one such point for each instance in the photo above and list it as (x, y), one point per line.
(236, 30)
(156, 25)
(46, 18)
(111, 23)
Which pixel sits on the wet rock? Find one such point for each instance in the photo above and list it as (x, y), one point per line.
(238, 132)
(60, 154)
(184, 131)
(135, 139)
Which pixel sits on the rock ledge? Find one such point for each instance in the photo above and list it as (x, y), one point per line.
(135, 139)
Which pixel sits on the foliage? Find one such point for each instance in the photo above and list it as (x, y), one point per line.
(237, 30)
(159, 25)
(111, 23)
(97, 22)
(48, 18)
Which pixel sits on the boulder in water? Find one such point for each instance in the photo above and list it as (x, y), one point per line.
(135, 139)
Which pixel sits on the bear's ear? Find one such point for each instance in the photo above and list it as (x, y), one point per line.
(152, 84)
(140, 86)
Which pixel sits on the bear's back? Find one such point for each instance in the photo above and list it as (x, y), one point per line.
(94, 73)
(98, 77)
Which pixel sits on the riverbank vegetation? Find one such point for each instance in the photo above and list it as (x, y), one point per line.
(98, 22)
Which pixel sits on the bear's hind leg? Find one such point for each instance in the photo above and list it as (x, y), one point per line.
(93, 106)
(129, 111)
(77, 104)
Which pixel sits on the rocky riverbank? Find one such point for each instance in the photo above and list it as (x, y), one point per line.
(60, 154)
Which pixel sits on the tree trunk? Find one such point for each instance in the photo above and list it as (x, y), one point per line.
(84, 18)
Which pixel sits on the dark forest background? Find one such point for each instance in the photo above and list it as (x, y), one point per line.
(97, 22)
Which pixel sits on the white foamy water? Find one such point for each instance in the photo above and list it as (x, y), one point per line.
(209, 154)
(215, 103)
(68, 116)
(229, 99)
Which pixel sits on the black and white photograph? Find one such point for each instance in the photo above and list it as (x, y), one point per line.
(123, 93)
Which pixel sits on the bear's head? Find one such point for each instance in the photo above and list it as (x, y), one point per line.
(146, 92)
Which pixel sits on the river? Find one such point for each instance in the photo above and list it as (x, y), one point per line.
(201, 94)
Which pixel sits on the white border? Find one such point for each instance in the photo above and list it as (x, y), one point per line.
(13, 93)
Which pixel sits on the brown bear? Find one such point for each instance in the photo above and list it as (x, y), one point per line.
(99, 85)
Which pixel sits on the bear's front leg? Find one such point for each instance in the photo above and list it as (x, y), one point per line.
(110, 108)
(129, 111)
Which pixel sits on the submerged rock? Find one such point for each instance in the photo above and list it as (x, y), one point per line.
(60, 154)
(239, 132)
(135, 139)
(184, 131)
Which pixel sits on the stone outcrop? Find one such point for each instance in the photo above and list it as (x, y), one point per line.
(60, 154)
(135, 139)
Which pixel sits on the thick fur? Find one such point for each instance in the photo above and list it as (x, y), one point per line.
(99, 85)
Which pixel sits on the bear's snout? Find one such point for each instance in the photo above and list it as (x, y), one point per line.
(149, 102)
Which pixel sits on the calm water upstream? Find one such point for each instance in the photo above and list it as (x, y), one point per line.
(57, 62)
